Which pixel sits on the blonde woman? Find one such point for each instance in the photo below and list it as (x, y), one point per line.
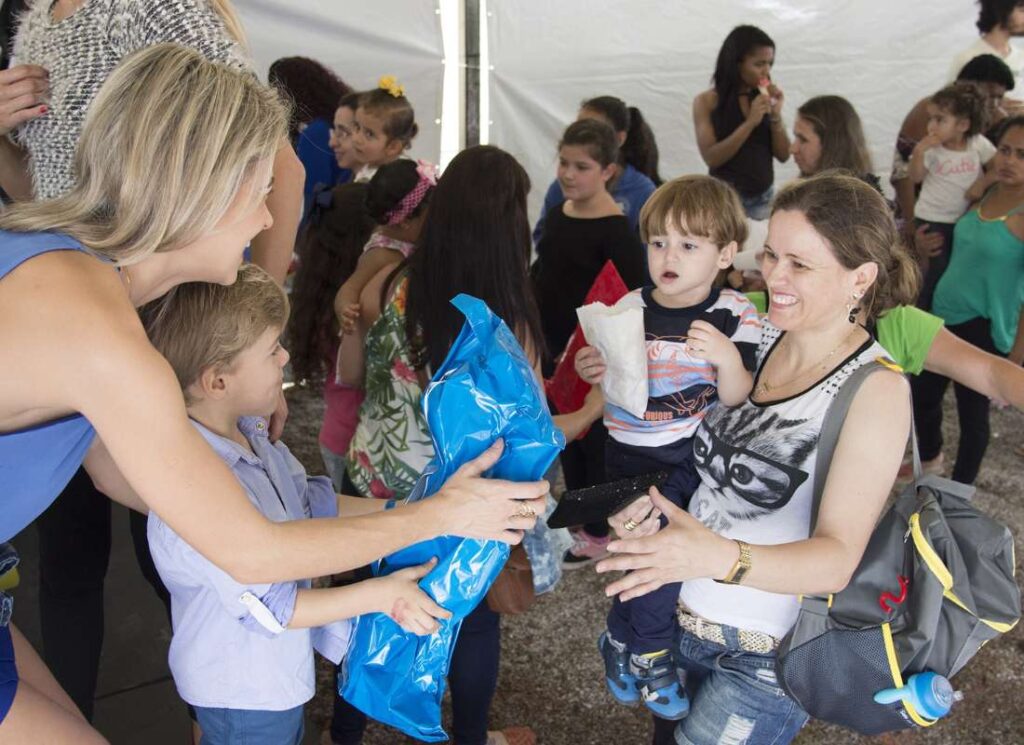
(174, 167)
(67, 49)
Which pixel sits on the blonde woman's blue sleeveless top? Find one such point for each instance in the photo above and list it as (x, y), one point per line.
(37, 462)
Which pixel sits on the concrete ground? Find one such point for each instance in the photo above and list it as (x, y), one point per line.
(551, 673)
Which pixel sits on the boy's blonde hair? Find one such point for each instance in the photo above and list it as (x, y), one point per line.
(167, 144)
(198, 325)
(700, 205)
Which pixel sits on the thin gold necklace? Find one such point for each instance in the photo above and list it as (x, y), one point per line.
(764, 388)
(126, 280)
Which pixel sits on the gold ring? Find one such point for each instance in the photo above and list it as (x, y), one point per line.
(630, 524)
(526, 511)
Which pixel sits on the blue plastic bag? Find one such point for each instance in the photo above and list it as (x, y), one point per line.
(485, 389)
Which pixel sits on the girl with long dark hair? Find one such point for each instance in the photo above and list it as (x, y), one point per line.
(329, 247)
(476, 240)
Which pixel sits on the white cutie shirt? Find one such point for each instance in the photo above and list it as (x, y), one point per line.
(950, 174)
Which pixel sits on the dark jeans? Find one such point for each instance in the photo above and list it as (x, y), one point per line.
(472, 677)
(583, 466)
(936, 264)
(648, 623)
(74, 551)
(972, 408)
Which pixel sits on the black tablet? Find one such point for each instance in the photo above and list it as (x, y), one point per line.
(597, 503)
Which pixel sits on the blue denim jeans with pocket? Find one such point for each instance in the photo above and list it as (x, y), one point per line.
(734, 697)
(250, 726)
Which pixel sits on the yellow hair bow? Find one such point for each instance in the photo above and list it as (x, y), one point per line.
(390, 84)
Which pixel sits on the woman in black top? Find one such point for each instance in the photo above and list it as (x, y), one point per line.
(739, 121)
(582, 233)
(579, 236)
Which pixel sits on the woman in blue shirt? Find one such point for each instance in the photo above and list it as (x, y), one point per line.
(315, 91)
(161, 200)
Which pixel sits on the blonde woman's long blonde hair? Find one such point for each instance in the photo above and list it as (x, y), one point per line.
(169, 141)
(232, 23)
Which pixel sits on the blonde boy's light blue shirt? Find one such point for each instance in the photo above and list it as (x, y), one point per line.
(230, 647)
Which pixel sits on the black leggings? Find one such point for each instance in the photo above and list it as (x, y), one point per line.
(74, 551)
(936, 264)
(583, 466)
(473, 678)
(972, 408)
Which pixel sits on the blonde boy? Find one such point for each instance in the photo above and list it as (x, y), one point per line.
(242, 654)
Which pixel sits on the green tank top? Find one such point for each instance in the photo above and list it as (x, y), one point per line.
(985, 277)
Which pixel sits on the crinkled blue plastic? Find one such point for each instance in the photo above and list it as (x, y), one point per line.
(484, 390)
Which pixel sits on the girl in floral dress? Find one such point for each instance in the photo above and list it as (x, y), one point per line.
(476, 239)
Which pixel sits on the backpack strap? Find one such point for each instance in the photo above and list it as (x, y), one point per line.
(835, 417)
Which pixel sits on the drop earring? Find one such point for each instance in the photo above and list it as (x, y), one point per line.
(853, 309)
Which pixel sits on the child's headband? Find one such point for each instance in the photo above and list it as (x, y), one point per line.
(427, 181)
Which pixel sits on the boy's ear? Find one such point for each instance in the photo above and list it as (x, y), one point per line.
(212, 382)
(726, 254)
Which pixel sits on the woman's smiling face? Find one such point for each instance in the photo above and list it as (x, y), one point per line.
(806, 283)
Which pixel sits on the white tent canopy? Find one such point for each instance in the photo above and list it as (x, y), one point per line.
(543, 58)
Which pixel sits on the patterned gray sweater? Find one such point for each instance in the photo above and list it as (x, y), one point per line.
(80, 52)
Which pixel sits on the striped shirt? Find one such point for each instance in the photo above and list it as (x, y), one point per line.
(682, 387)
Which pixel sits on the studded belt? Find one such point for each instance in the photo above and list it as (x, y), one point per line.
(749, 641)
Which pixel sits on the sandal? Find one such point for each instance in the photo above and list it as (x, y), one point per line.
(512, 736)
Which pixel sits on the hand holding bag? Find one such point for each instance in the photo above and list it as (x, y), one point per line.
(485, 389)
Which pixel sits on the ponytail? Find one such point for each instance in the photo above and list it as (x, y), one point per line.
(640, 150)
(902, 281)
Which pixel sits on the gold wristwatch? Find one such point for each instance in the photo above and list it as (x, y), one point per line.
(740, 568)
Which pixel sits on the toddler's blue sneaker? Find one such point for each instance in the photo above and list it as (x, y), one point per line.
(660, 685)
(617, 675)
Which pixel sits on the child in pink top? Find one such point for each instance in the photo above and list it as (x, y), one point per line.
(397, 200)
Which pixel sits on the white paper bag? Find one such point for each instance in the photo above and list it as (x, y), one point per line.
(618, 332)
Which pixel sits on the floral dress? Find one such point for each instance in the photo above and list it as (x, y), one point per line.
(391, 445)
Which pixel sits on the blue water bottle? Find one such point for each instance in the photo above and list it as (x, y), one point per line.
(930, 693)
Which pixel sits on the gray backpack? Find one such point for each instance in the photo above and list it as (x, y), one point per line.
(935, 584)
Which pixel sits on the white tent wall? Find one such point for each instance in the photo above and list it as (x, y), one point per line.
(546, 57)
(360, 42)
